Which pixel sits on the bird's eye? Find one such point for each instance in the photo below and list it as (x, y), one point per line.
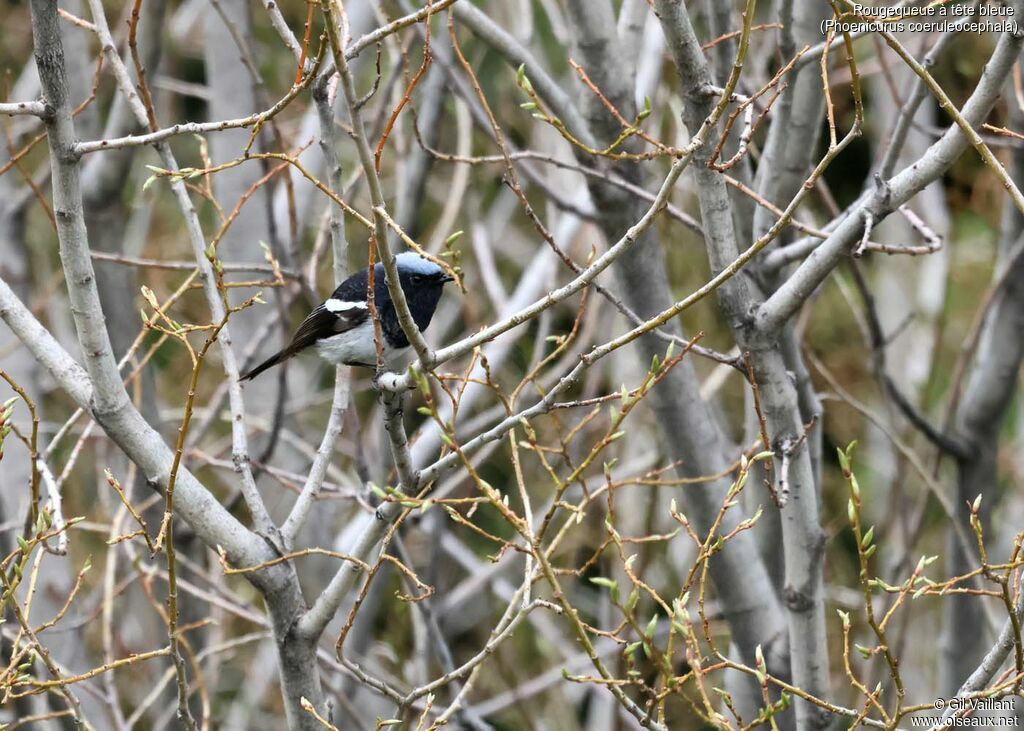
(416, 279)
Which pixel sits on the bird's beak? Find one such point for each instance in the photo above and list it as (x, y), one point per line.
(447, 278)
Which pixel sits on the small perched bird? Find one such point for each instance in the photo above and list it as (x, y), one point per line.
(341, 329)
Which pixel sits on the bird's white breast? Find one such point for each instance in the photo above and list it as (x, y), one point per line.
(354, 347)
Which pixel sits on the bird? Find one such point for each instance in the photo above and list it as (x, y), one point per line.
(340, 328)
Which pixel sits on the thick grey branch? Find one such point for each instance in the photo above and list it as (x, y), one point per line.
(889, 196)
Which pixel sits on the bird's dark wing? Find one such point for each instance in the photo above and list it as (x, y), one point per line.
(323, 322)
(333, 317)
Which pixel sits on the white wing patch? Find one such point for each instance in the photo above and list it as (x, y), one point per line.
(333, 305)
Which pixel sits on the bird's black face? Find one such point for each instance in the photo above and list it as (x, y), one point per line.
(413, 282)
(422, 286)
(422, 282)
(423, 291)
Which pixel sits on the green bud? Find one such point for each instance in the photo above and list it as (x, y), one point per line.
(866, 540)
(651, 626)
(631, 601)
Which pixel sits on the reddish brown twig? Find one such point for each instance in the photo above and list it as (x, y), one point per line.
(405, 97)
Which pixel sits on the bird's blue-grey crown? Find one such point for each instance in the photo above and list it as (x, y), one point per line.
(413, 263)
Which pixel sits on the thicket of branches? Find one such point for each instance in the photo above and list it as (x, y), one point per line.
(718, 427)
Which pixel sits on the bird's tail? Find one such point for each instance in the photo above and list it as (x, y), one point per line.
(270, 362)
